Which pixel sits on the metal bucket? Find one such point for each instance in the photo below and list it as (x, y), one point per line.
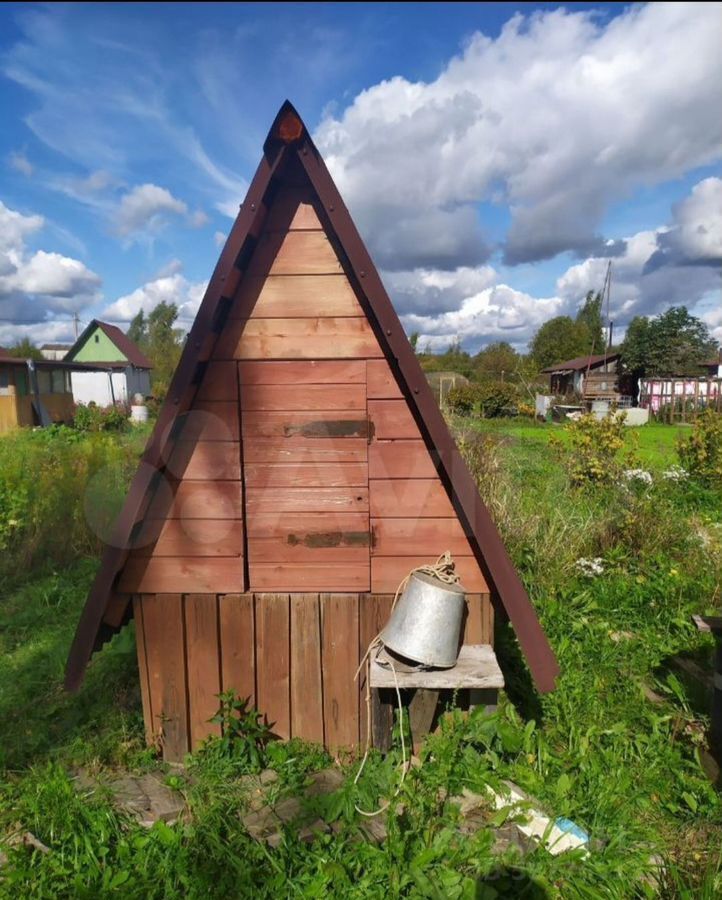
(425, 625)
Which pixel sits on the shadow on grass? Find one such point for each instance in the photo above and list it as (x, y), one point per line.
(38, 719)
(507, 881)
(519, 686)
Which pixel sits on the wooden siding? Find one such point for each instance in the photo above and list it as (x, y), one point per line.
(293, 655)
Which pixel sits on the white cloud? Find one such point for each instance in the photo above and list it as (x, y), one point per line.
(19, 161)
(561, 115)
(169, 286)
(198, 219)
(470, 305)
(220, 238)
(145, 208)
(498, 313)
(34, 285)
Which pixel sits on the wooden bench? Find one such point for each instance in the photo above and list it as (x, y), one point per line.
(476, 670)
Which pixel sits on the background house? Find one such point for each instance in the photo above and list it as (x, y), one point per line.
(35, 392)
(55, 351)
(713, 367)
(124, 370)
(589, 376)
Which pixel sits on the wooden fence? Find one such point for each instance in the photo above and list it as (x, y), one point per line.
(680, 399)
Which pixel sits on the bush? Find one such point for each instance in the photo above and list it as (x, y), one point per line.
(97, 418)
(463, 399)
(593, 451)
(497, 398)
(490, 399)
(701, 452)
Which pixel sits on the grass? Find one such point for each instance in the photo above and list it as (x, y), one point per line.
(597, 750)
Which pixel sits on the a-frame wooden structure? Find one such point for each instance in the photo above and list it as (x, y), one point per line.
(299, 468)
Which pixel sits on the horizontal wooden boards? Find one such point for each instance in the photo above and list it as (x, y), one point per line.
(381, 381)
(167, 575)
(295, 296)
(308, 371)
(307, 499)
(304, 397)
(276, 550)
(312, 425)
(292, 209)
(219, 382)
(299, 449)
(205, 460)
(400, 459)
(476, 667)
(400, 537)
(210, 421)
(294, 253)
(392, 419)
(312, 474)
(301, 338)
(199, 500)
(307, 527)
(311, 576)
(190, 537)
(388, 571)
(409, 498)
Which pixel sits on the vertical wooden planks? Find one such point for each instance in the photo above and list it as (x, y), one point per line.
(165, 654)
(204, 679)
(273, 661)
(306, 681)
(339, 642)
(474, 629)
(374, 612)
(143, 669)
(238, 652)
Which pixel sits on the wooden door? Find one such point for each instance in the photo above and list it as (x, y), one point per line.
(304, 426)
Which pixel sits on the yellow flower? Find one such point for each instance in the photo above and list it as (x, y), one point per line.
(674, 573)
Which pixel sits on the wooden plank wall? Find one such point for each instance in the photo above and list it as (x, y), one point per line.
(294, 656)
(192, 534)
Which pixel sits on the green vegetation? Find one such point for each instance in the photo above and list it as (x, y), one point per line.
(161, 341)
(615, 570)
(675, 343)
(60, 490)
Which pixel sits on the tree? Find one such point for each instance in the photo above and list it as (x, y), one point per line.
(138, 330)
(675, 343)
(559, 339)
(164, 343)
(590, 316)
(25, 349)
(414, 340)
(496, 361)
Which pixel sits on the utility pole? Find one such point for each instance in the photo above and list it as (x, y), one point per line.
(76, 321)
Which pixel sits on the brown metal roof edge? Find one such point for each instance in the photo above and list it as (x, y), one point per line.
(492, 554)
(179, 397)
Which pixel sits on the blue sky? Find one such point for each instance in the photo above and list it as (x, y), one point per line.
(493, 155)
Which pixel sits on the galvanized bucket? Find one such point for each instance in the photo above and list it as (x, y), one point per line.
(425, 625)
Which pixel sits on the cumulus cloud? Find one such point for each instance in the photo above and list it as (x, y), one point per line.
(497, 313)
(560, 116)
(168, 286)
(470, 305)
(219, 238)
(146, 207)
(695, 235)
(34, 285)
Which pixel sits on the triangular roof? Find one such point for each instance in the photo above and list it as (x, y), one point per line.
(128, 348)
(582, 362)
(288, 141)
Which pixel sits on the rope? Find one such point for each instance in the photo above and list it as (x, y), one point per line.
(443, 570)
